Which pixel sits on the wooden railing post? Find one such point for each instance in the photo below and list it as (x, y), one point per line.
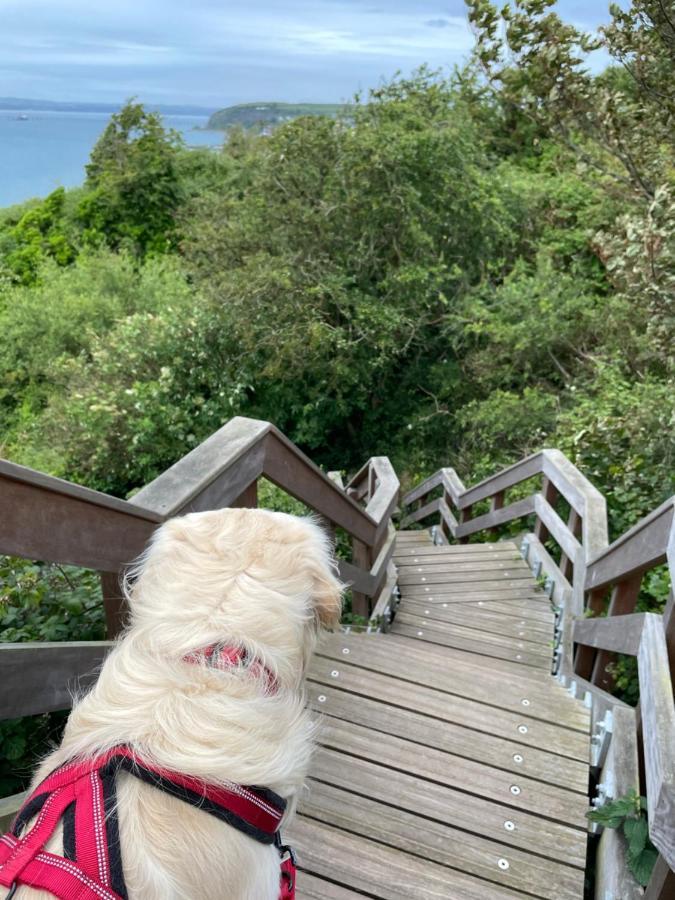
(624, 598)
(496, 502)
(574, 523)
(114, 603)
(248, 497)
(465, 516)
(585, 656)
(550, 492)
(362, 557)
(662, 883)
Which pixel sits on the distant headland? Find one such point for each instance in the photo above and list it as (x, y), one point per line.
(251, 115)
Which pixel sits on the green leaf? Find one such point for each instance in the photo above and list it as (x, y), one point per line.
(641, 866)
(637, 833)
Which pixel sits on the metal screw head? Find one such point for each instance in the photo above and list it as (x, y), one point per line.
(445, 606)
(420, 633)
(426, 589)
(426, 612)
(345, 650)
(522, 729)
(509, 825)
(515, 790)
(480, 602)
(321, 698)
(519, 656)
(423, 578)
(503, 863)
(419, 570)
(334, 673)
(517, 758)
(521, 634)
(416, 559)
(525, 701)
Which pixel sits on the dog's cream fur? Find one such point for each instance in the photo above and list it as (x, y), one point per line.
(254, 578)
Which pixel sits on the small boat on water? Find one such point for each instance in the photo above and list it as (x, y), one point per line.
(22, 117)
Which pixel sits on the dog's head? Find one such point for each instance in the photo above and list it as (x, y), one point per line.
(262, 579)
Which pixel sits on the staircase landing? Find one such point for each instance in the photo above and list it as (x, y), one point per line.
(450, 763)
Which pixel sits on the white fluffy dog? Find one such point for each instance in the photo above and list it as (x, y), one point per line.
(249, 578)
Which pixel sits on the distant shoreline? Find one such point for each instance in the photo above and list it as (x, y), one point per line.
(22, 104)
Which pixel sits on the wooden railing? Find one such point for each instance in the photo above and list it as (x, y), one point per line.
(624, 740)
(579, 539)
(51, 520)
(641, 739)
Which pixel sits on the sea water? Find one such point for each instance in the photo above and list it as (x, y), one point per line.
(40, 151)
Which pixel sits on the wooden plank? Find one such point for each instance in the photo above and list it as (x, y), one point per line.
(640, 548)
(478, 746)
(417, 515)
(497, 517)
(425, 487)
(662, 883)
(520, 471)
(442, 557)
(49, 519)
(442, 843)
(540, 632)
(620, 777)
(9, 807)
(380, 871)
(658, 727)
(549, 494)
(455, 673)
(467, 713)
(619, 634)
(309, 887)
(552, 524)
(623, 601)
(454, 771)
(583, 496)
(476, 576)
(458, 549)
(536, 605)
(469, 631)
(495, 566)
(457, 808)
(455, 637)
(37, 678)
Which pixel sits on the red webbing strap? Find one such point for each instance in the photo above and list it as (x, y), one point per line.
(91, 841)
(28, 847)
(61, 877)
(288, 875)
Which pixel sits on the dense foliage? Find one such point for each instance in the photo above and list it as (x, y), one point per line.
(459, 270)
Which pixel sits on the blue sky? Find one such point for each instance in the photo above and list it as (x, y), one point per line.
(217, 52)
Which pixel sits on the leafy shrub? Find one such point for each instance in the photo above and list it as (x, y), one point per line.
(42, 602)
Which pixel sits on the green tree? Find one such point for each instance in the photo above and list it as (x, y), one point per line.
(132, 186)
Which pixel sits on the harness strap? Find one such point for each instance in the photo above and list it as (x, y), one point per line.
(82, 794)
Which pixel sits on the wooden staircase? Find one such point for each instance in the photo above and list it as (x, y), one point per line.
(463, 736)
(451, 763)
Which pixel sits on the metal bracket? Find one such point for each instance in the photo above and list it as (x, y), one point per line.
(600, 739)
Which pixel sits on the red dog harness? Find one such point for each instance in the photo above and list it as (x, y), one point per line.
(83, 796)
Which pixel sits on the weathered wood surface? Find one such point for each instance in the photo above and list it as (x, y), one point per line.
(640, 548)
(471, 764)
(620, 777)
(658, 726)
(37, 678)
(53, 520)
(618, 634)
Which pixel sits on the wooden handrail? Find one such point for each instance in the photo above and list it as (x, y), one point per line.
(53, 520)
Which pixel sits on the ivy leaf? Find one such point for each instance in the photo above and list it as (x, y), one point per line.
(641, 865)
(637, 833)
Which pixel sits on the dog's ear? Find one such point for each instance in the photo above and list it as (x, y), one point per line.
(327, 596)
